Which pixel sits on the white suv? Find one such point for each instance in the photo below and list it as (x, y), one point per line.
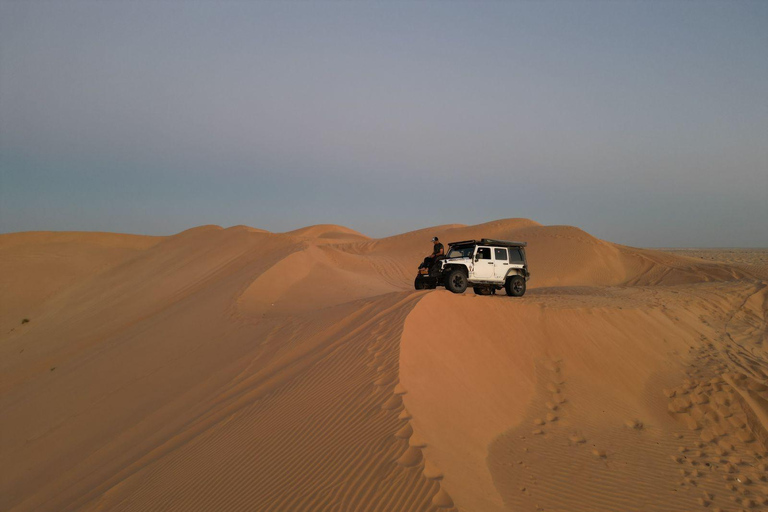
(486, 265)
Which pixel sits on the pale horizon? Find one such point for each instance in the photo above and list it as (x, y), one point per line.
(644, 124)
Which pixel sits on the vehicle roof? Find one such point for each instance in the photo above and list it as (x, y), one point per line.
(490, 241)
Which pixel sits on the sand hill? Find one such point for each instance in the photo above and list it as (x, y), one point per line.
(238, 369)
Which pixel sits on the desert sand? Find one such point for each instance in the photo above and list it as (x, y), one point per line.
(242, 370)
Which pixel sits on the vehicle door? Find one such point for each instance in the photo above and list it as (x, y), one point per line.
(500, 263)
(484, 267)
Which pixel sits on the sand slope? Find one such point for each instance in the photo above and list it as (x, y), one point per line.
(36, 265)
(237, 369)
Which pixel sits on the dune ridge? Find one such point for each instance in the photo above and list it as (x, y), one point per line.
(239, 369)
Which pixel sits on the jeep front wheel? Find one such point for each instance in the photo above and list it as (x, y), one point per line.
(456, 281)
(515, 286)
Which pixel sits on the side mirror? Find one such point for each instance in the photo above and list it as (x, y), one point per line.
(477, 257)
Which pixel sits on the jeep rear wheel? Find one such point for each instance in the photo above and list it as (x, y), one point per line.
(481, 290)
(515, 286)
(456, 281)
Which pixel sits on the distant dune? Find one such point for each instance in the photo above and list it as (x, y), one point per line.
(330, 231)
(239, 369)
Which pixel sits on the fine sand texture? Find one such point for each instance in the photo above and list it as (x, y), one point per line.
(242, 370)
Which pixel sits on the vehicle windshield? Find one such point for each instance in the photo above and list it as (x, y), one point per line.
(461, 252)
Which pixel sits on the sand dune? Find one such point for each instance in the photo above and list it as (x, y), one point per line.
(328, 231)
(36, 265)
(238, 369)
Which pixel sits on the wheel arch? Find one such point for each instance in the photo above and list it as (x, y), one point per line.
(449, 268)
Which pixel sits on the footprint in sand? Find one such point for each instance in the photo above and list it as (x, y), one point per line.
(553, 366)
(700, 399)
(411, 457)
(417, 441)
(431, 472)
(691, 423)
(708, 436)
(679, 405)
(385, 380)
(405, 432)
(393, 403)
(442, 499)
(737, 421)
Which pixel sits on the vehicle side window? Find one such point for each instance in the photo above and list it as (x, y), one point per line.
(500, 254)
(515, 256)
(484, 253)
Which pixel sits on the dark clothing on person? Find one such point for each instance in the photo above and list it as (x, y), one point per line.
(430, 262)
(432, 258)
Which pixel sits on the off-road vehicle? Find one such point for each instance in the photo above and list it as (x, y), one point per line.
(486, 265)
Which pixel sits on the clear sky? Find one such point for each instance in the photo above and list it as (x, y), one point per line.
(644, 123)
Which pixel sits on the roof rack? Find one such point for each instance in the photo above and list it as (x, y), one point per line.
(503, 243)
(490, 241)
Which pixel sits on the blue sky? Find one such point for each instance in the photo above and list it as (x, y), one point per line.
(644, 123)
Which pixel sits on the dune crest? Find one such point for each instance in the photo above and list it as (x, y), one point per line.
(327, 231)
(238, 369)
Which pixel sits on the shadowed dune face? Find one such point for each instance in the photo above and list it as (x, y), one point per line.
(35, 266)
(237, 369)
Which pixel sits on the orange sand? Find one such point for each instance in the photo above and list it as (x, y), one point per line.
(237, 369)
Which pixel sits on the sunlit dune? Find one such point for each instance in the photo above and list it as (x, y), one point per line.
(239, 369)
(327, 231)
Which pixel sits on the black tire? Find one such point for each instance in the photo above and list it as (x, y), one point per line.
(481, 290)
(419, 284)
(515, 286)
(456, 281)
